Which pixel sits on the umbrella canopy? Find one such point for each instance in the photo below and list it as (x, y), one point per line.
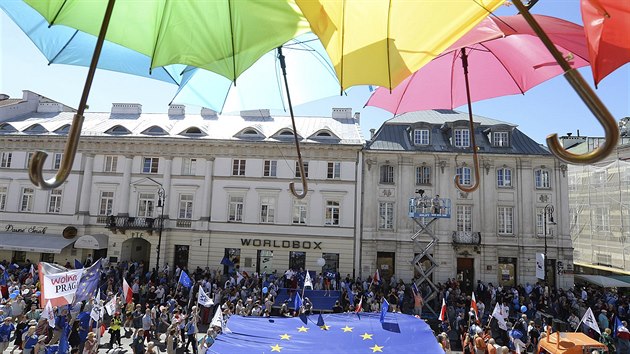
(607, 27)
(225, 37)
(504, 58)
(383, 42)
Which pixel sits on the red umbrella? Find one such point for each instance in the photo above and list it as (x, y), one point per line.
(607, 27)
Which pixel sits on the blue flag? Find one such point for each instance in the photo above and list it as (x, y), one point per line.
(184, 279)
(320, 320)
(616, 326)
(77, 264)
(64, 345)
(88, 284)
(5, 277)
(226, 261)
(298, 301)
(350, 296)
(384, 309)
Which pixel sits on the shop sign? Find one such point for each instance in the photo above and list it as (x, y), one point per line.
(257, 242)
(26, 229)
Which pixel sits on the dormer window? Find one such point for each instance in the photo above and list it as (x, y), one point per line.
(501, 139)
(155, 130)
(461, 138)
(323, 135)
(250, 132)
(64, 129)
(7, 128)
(286, 133)
(421, 137)
(192, 131)
(118, 130)
(463, 173)
(35, 129)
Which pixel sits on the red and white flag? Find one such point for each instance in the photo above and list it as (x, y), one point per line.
(377, 277)
(443, 311)
(359, 306)
(49, 314)
(127, 292)
(473, 306)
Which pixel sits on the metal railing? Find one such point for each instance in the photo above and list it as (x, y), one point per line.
(466, 238)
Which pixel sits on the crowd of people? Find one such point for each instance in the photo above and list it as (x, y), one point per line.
(162, 314)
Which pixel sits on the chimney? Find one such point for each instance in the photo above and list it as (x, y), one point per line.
(372, 131)
(256, 113)
(357, 117)
(208, 113)
(43, 107)
(569, 134)
(578, 132)
(126, 108)
(342, 113)
(176, 110)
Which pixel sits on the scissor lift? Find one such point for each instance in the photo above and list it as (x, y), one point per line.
(421, 209)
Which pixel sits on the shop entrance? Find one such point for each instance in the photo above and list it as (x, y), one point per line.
(264, 261)
(181, 256)
(385, 262)
(136, 249)
(466, 274)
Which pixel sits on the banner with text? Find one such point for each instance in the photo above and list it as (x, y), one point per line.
(61, 284)
(540, 266)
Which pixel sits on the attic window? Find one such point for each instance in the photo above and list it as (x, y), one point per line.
(118, 130)
(501, 139)
(7, 128)
(286, 133)
(155, 130)
(192, 131)
(64, 129)
(250, 132)
(35, 129)
(323, 135)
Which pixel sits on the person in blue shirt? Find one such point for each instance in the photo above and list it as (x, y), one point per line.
(30, 340)
(5, 333)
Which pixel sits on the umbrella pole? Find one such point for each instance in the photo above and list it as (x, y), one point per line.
(283, 66)
(475, 186)
(39, 157)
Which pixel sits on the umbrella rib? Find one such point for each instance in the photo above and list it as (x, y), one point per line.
(157, 39)
(52, 22)
(389, 66)
(63, 48)
(232, 41)
(343, 42)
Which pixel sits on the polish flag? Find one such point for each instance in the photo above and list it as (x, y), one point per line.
(473, 306)
(127, 292)
(443, 311)
(359, 306)
(377, 277)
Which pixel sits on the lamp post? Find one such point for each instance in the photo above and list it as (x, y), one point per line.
(547, 215)
(160, 204)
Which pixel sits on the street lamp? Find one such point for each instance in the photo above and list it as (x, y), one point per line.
(547, 215)
(160, 204)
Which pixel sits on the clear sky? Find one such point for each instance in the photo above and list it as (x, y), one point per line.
(548, 108)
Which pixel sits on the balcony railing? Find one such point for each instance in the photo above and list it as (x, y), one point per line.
(184, 223)
(466, 238)
(123, 223)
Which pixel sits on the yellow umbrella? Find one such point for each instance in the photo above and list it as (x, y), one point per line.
(378, 42)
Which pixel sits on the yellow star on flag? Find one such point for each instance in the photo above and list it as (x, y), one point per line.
(302, 329)
(285, 336)
(325, 327)
(275, 348)
(366, 336)
(347, 329)
(377, 348)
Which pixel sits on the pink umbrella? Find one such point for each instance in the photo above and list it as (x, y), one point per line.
(500, 56)
(505, 57)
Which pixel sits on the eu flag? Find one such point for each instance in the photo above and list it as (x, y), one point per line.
(64, 345)
(184, 279)
(340, 333)
(298, 301)
(77, 264)
(226, 261)
(89, 283)
(616, 326)
(384, 309)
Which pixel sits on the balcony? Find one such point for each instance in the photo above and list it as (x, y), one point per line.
(184, 223)
(124, 223)
(466, 238)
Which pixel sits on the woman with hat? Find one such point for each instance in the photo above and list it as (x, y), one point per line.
(91, 345)
(40, 347)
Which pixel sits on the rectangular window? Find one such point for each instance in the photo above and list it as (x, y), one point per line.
(26, 201)
(540, 223)
(542, 179)
(238, 167)
(267, 210)
(297, 169)
(5, 159)
(270, 168)
(54, 201)
(504, 177)
(387, 174)
(464, 218)
(421, 137)
(150, 165)
(235, 209)
(386, 215)
(331, 262)
(106, 203)
(423, 175)
(3, 197)
(29, 156)
(299, 212)
(19, 256)
(47, 257)
(601, 219)
(462, 138)
(464, 175)
(332, 213)
(297, 260)
(506, 220)
(57, 160)
(146, 203)
(334, 170)
(185, 206)
(501, 139)
(111, 163)
(189, 166)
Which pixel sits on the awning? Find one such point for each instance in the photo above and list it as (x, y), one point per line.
(603, 281)
(598, 267)
(92, 242)
(33, 242)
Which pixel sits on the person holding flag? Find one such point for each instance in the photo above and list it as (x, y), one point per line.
(418, 301)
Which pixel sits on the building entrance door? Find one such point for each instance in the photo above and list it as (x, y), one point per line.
(181, 256)
(386, 261)
(136, 249)
(264, 262)
(466, 274)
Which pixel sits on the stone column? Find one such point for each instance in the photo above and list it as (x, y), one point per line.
(86, 186)
(123, 208)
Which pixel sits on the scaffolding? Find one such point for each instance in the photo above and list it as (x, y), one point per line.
(599, 213)
(425, 211)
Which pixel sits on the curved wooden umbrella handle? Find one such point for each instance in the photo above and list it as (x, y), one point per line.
(475, 186)
(587, 95)
(304, 184)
